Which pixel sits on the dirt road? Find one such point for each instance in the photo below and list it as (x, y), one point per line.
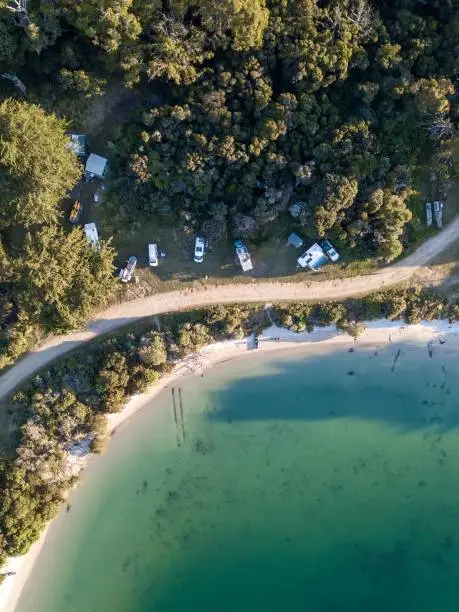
(257, 291)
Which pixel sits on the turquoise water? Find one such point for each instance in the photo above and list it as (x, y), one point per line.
(310, 482)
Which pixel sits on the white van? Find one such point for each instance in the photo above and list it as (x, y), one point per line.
(199, 249)
(153, 255)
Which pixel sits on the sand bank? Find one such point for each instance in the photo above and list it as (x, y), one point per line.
(273, 339)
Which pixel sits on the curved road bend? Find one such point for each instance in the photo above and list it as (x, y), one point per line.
(258, 291)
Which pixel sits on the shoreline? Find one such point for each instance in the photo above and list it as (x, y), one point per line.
(272, 339)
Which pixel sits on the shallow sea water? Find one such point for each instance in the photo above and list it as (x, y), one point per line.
(308, 481)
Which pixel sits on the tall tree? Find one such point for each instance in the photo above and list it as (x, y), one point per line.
(61, 279)
(36, 167)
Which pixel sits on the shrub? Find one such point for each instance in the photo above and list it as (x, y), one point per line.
(112, 381)
(153, 349)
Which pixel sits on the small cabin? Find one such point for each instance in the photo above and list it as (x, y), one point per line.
(96, 167)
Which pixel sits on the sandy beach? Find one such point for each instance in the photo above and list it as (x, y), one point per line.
(377, 333)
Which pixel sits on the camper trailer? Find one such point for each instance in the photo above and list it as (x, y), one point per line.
(438, 213)
(243, 255)
(429, 214)
(92, 236)
(314, 258)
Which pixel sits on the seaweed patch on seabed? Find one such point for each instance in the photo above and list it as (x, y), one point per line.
(130, 564)
(144, 488)
(203, 447)
(382, 563)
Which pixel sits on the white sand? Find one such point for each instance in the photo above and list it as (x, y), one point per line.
(274, 338)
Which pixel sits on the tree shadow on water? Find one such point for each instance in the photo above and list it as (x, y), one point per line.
(411, 391)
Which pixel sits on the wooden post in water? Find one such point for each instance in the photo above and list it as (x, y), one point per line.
(181, 414)
(175, 417)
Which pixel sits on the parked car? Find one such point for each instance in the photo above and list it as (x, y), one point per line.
(153, 255)
(329, 250)
(75, 213)
(199, 249)
(126, 273)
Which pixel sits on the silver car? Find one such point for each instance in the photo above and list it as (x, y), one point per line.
(126, 272)
(329, 250)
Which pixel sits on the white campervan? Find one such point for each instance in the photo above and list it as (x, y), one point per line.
(153, 255)
(199, 249)
(92, 236)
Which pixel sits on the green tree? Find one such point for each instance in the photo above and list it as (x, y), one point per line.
(178, 52)
(388, 55)
(246, 20)
(331, 197)
(192, 336)
(112, 381)
(67, 419)
(99, 428)
(153, 350)
(110, 24)
(36, 167)
(61, 279)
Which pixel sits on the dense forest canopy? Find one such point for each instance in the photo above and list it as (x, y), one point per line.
(263, 103)
(247, 107)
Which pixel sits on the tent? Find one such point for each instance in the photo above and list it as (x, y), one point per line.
(295, 241)
(296, 209)
(96, 166)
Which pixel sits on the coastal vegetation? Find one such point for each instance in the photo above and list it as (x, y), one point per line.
(412, 304)
(234, 112)
(64, 406)
(50, 281)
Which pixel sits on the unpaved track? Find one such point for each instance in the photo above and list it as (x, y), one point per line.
(257, 291)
